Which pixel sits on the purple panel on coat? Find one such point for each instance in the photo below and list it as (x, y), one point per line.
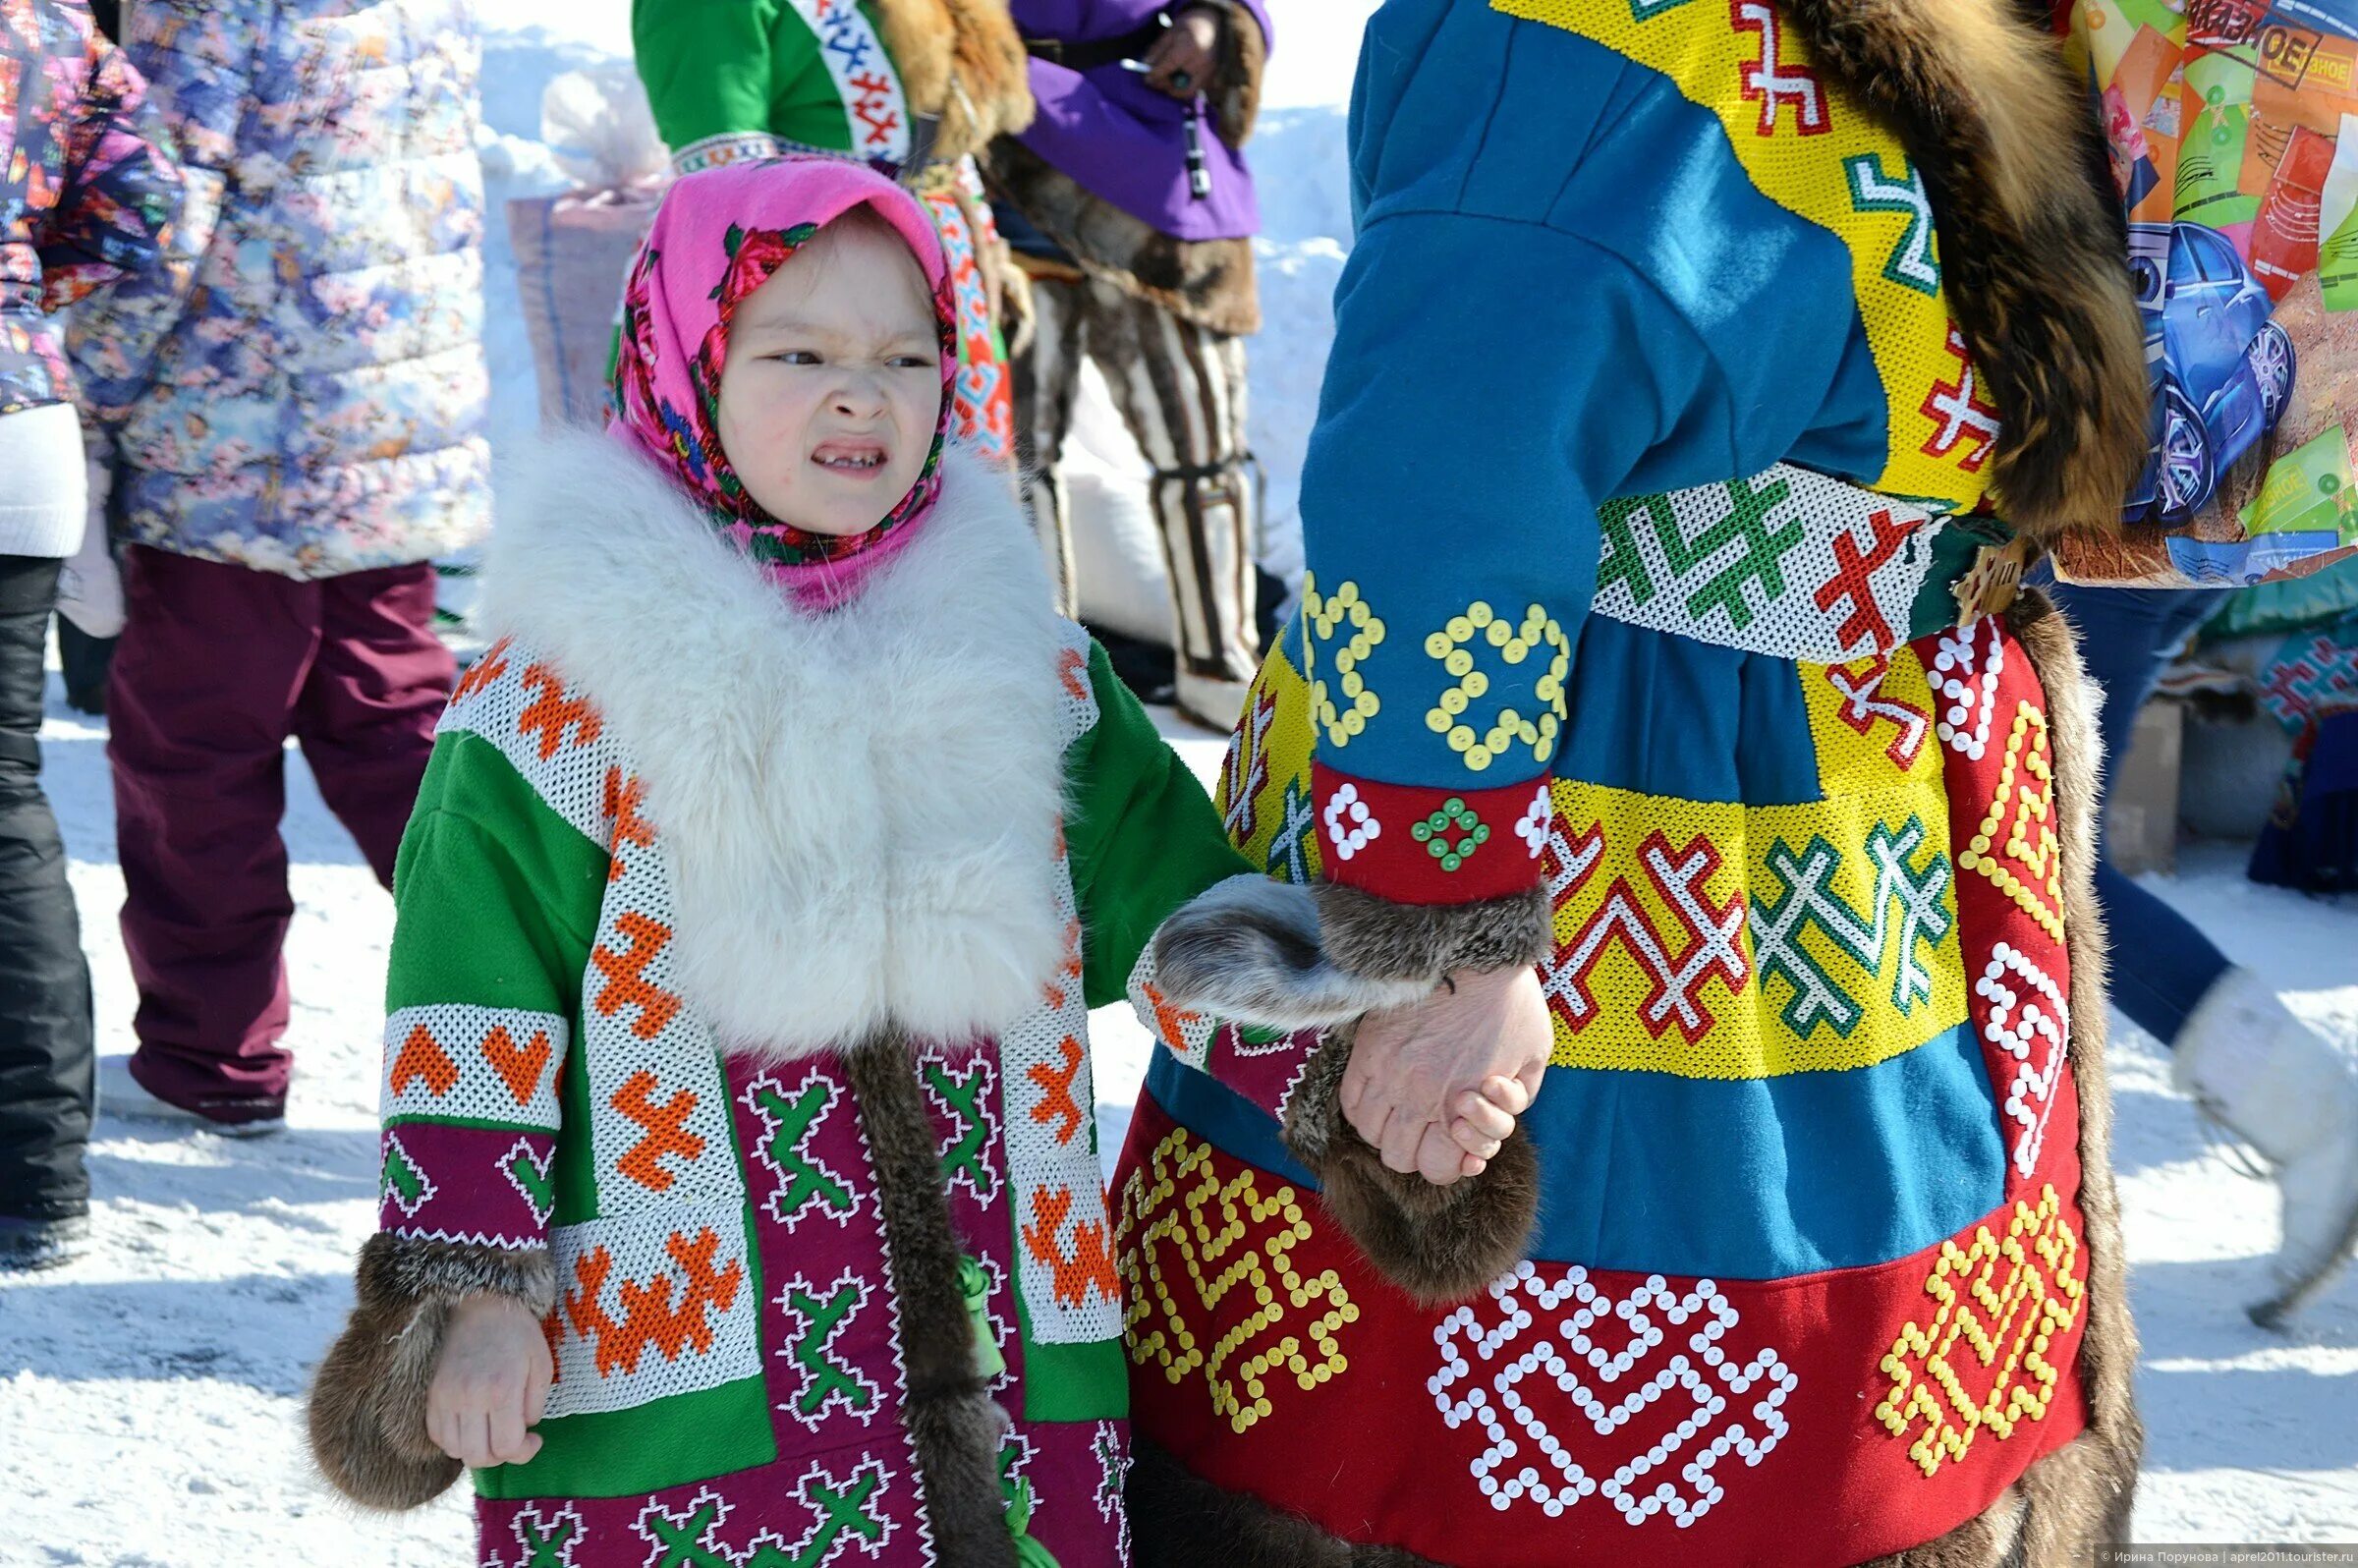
(1120, 138)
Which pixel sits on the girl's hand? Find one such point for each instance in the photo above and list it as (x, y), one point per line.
(1183, 59)
(1486, 1114)
(490, 1384)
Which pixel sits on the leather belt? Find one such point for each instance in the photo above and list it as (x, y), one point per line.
(1096, 52)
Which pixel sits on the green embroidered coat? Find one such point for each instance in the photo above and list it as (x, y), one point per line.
(681, 846)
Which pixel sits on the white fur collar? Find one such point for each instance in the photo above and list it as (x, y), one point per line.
(859, 810)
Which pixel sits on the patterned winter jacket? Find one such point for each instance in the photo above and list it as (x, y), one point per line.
(309, 398)
(1658, 659)
(88, 191)
(739, 1000)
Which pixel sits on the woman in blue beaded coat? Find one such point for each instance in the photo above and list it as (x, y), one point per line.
(1663, 704)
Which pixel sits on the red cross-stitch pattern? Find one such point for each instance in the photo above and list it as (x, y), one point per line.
(1071, 668)
(873, 108)
(623, 799)
(1864, 706)
(649, 1317)
(423, 1056)
(1701, 941)
(551, 713)
(1056, 1102)
(482, 672)
(627, 985)
(666, 1129)
(1864, 630)
(1088, 1269)
(518, 1066)
(1968, 424)
(1773, 82)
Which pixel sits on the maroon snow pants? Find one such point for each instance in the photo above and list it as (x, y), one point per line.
(217, 667)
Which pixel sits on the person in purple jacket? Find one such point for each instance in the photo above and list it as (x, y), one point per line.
(1129, 205)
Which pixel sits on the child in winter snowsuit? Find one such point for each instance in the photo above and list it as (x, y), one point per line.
(913, 87)
(294, 430)
(87, 194)
(766, 873)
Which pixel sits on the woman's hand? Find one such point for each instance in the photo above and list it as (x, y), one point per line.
(1436, 1086)
(1183, 59)
(490, 1384)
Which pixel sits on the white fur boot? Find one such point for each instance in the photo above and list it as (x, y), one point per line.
(2292, 1094)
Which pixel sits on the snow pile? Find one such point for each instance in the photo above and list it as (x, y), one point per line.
(150, 1393)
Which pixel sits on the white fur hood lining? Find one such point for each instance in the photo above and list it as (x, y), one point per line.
(858, 809)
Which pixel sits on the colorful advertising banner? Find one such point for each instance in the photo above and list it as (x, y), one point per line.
(2232, 126)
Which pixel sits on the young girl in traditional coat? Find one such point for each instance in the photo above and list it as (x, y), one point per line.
(739, 1179)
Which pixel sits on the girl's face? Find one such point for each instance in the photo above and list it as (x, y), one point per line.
(832, 388)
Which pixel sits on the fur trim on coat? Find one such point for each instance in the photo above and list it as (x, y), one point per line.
(1209, 281)
(963, 62)
(367, 1412)
(859, 809)
(2031, 239)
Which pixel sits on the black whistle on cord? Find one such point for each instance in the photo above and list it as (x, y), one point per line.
(1199, 173)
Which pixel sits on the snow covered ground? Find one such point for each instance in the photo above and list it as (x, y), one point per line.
(149, 1393)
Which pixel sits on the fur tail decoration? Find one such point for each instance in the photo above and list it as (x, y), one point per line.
(2031, 237)
(1248, 950)
(366, 1413)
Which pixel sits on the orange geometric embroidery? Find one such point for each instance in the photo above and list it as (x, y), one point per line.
(666, 1129)
(1068, 968)
(1170, 1019)
(621, 806)
(1088, 1269)
(649, 1317)
(2025, 808)
(2003, 1304)
(421, 1056)
(1056, 1100)
(551, 713)
(518, 1067)
(627, 986)
(482, 672)
(1070, 665)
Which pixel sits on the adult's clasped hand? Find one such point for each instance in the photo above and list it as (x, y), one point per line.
(1436, 1086)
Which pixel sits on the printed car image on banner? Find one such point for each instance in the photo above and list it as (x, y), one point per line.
(2233, 127)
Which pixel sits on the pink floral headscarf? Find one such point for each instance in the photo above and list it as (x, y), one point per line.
(719, 235)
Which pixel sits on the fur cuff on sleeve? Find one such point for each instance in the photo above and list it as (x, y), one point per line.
(1276, 955)
(1383, 940)
(1437, 1244)
(1249, 950)
(367, 1403)
(1235, 90)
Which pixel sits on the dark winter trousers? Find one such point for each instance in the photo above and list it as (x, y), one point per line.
(217, 667)
(44, 984)
(1181, 390)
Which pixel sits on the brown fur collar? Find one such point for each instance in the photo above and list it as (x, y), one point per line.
(1209, 281)
(964, 62)
(2031, 242)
